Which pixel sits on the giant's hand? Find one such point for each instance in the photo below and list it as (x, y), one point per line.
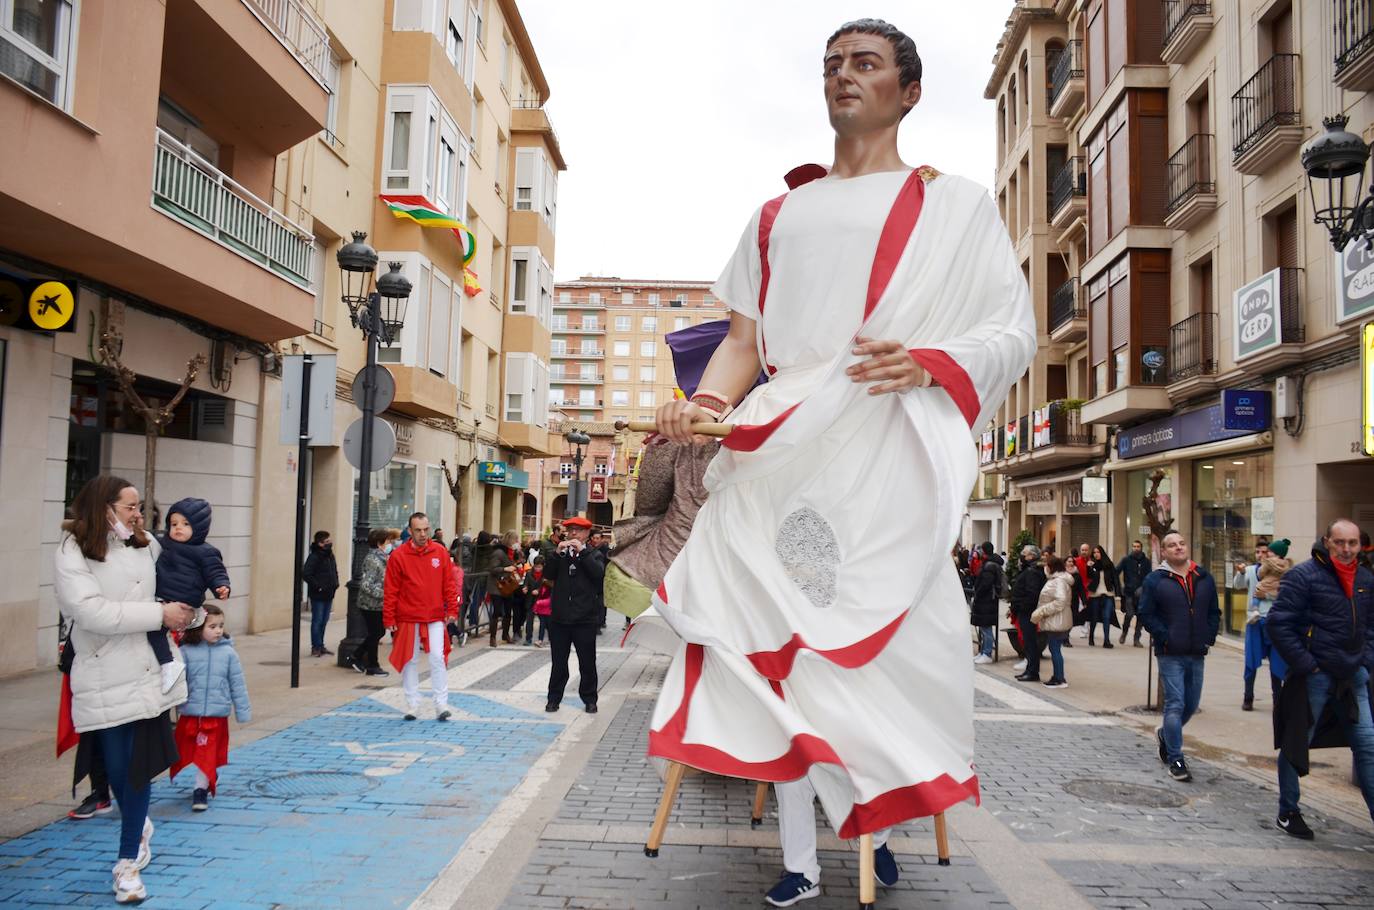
(890, 367)
(675, 420)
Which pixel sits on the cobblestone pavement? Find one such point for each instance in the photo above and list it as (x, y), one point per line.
(509, 807)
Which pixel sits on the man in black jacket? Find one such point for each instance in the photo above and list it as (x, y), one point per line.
(321, 575)
(1131, 571)
(987, 591)
(1322, 625)
(576, 571)
(1178, 607)
(1025, 594)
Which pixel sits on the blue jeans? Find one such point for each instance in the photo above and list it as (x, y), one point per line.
(1057, 657)
(1101, 610)
(1182, 679)
(987, 638)
(529, 626)
(319, 615)
(117, 750)
(1360, 734)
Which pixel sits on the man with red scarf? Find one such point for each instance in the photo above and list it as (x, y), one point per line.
(419, 596)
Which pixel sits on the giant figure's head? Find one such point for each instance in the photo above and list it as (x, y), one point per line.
(872, 76)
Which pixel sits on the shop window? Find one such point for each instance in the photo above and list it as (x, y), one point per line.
(391, 495)
(435, 489)
(1233, 500)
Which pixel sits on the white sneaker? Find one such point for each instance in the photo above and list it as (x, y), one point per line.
(128, 884)
(145, 849)
(1019, 666)
(982, 659)
(1080, 632)
(171, 673)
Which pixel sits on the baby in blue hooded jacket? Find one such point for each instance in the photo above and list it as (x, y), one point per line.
(186, 569)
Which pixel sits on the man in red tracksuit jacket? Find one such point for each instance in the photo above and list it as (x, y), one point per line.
(419, 597)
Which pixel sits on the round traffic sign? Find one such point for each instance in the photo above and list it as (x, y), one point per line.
(383, 387)
(383, 443)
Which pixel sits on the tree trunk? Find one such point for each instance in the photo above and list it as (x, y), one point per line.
(150, 429)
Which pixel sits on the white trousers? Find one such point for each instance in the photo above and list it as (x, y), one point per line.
(797, 828)
(438, 671)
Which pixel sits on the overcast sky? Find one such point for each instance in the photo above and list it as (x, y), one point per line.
(678, 119)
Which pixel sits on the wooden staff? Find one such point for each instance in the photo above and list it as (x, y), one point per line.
(867, 888)
(704, 428)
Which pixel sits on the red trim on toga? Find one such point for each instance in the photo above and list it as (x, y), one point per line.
(952, 378)
(778, 664)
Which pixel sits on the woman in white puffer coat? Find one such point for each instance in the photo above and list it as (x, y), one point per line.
(105, 582)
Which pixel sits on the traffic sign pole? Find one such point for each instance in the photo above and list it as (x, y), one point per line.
(302, 450)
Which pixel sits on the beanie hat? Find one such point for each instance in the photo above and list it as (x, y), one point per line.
(1280, 547)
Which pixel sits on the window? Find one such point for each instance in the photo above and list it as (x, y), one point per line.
(587, 371)
(594, 298)
(532, 284)
(520, 272)
(620, 398)
(536, 184)
(505, 66)
(622, 323)
(653, 300)
(589, 346)
(559, 324)
(527, 390)
(586, 397)
(443, 306)
(453, 45)
(602, 469)
(333, 77)
(621, 349)
(680, 323)
(448, 174)
(36, 46)
(680, 300)
(558, 346)
(590, 324)
(184, 128)
(555, 396)
(648, 349)
(564, 297)
(617, 417)
(648, 324)
(391, 495)
(435, 488)
(620, 372)
(646, 374)
(646, 399)
(479, 117)
(479, 23)
(627, 298)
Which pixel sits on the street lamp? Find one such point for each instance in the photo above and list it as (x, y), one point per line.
(1334, 162)
(380, 315)
(577, 501)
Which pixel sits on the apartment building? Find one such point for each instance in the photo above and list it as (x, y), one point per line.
(609, 466)
(1215, 334)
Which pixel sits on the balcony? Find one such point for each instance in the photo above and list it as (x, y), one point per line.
(579, 303)
(1069, 194)
(1354, 45)
(1187, 23)
(574, 380)
(583, 329)
(420, 393)
(528, 439)
(577, 355)
(1052, 437)
(1191, 183)
(191, 190)
(1141, 378)
(1266, 125)
(299, 32)
(1068, 313)
(1293, 331)
(1066, 81)
(1193, 356)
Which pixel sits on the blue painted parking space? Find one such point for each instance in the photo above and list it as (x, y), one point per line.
(353, 808)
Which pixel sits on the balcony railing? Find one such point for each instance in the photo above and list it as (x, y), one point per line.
(1193, 347)
(491, 409)
(1354, 31)
(1290, 305)
(1071, 181)
(1268, 100)
(578, 303)
(1067, 67)
(196, 193)
(1066, 303)
(1067, 428)
(578, 354)
(323, 330)
(296, 27)
(1177, 13)
(1189, 171)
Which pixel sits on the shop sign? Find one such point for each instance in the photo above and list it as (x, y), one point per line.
(1097, 490)
(1354, 281)
(1262, 515)
(491, 471)
(1245, 409)
(1175, 432)
(1073, 500)
(405, 436)
(1258, 327)
(1041, 501)
(1367, 388)
(596, 488)
(38, 306)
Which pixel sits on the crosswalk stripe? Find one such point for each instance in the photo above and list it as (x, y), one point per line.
(1013, 697)
(475, 669)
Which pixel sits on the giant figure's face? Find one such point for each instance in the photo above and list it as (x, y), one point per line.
(863, 91)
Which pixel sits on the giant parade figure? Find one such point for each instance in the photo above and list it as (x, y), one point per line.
(824, 631)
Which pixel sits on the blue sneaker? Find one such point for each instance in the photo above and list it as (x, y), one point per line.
(885, 866)
(792, 888)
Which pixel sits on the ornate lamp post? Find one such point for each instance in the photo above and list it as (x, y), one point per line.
(380, 315)
(1334, 162)
(577, 503)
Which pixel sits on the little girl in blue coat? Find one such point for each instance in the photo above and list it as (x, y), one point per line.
(214, 684)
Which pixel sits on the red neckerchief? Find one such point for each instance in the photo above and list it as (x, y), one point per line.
(1346, 573)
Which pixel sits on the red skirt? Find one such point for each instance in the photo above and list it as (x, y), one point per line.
(203, 742)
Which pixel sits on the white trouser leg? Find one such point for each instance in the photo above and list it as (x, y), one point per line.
(410, 676)
(797, 828)
(438, 670)
(202, 782)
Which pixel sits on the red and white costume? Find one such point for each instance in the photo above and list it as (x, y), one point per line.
(805, 654)
(420, 595)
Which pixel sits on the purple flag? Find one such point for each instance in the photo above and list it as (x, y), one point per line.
(692, 348)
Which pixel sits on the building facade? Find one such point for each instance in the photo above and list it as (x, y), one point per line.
(186, 175)
(1219, 346)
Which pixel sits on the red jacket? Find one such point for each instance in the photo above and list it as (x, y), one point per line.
(419, 585)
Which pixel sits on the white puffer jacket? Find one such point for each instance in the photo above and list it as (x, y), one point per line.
(115, 677)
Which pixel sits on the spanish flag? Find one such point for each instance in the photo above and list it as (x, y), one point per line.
(470, 285)
(421, 211)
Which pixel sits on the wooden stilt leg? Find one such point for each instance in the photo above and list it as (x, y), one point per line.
(665, 807)
(941, 839)
(760, 799)
(867, 884)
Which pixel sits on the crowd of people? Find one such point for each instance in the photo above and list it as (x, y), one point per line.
(1311, 622)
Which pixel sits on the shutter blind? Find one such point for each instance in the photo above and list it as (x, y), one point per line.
(1286, 227)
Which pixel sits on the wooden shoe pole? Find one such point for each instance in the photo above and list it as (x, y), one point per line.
(867, 887)
(941, 839)
(665, 807)
(760, 799)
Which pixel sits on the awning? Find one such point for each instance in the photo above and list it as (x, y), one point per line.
(1189, 453)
